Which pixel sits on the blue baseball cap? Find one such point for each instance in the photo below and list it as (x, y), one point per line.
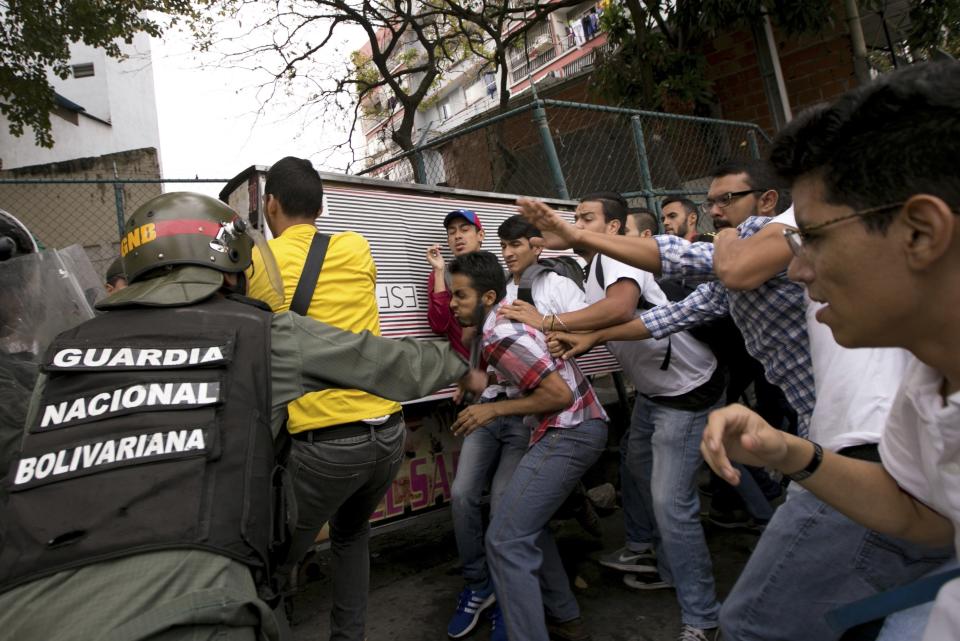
(470, 216)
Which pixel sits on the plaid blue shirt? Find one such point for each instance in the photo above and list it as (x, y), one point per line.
(772, 317)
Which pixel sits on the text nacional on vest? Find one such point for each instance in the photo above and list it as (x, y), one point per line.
(135, 357)
(125, 400)
(89, 456)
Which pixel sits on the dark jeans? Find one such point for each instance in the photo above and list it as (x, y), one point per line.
(342, 481)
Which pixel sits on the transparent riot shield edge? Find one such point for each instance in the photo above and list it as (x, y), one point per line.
(47, 293)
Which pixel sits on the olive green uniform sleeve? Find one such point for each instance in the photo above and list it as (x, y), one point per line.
(308, 355)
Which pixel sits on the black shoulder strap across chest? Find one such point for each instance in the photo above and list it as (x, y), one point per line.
(643, 304)
(525, 286)
(310, 274)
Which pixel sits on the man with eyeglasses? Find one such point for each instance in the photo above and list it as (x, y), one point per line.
(854, 392)
(876, 242)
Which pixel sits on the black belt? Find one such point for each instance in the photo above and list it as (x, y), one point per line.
(866, 452)
(345, 430)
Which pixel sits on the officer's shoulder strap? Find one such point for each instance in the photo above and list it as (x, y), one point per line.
(246, 300)
(311, 272)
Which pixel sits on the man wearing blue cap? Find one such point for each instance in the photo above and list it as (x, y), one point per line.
(464, 235)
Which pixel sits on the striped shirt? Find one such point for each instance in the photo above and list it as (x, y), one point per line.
(517, 354)
(772, 317)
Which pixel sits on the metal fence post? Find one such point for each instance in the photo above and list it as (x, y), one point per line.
(645, 177)
(419, 167)
(752, 141)
(118, 201)
(553, 160)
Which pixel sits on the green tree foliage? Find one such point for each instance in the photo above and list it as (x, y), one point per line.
(35, 37)
(657, 61)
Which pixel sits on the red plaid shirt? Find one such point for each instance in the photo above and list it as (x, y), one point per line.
(519, 357)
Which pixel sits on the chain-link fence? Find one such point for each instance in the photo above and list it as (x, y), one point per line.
(553, 148)
(85, 211)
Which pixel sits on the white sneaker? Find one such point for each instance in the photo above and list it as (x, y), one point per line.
(646, 581)
(690, 633)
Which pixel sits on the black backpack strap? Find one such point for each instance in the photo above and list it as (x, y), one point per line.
(599, 271)
(310, 274)
(525, 286)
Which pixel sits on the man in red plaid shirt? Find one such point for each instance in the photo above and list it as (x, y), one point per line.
(568, 433)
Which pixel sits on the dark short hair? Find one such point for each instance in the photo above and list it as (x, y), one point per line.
(760, 174)
(515, 228)
(297, 185)
(614, 206)
(688, 205)
(881, 143)
(484, 271)
(645, 219)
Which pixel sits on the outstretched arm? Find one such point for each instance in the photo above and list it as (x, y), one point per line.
(618, 306)
(309, 355)
(559, 234)
(747, 263)
(861, 490)
(566, 345)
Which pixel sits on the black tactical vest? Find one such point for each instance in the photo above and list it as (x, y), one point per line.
(153, 433)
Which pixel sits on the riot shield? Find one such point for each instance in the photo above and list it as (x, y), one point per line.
(43, 294)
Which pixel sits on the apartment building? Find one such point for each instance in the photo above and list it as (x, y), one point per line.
(560, 47)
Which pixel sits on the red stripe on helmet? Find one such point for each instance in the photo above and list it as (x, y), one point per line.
(186, 226)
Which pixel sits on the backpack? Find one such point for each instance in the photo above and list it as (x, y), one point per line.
(566, 266)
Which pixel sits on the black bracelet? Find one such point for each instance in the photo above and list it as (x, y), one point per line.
(811, 467)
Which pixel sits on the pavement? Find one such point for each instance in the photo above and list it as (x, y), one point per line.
(415, 580)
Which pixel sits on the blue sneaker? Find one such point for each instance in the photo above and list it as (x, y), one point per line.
(498, 629)
(471, 603)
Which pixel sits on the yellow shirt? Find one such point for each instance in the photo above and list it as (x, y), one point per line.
(345, 297)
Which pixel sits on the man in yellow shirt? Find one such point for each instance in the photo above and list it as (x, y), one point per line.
(347, 444)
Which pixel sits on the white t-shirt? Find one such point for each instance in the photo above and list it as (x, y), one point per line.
(921, 451)
(854, 387)
(552, 294)
(691, 362)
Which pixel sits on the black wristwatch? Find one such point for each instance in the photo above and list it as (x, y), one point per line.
(811, 467)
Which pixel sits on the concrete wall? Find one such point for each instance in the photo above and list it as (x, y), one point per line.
(63, 214)
(120, 93)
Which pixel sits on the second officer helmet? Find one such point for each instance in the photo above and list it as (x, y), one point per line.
(184, 228)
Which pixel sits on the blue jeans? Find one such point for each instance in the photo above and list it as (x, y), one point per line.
(811, 559)
(524, 561)
(493, 450)
(664, 454)
(639, 524)
(342, 481)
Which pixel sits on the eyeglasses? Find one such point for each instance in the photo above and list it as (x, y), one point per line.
(797, 237)
(726, 199)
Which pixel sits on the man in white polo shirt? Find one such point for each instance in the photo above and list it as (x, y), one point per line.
(678, 383)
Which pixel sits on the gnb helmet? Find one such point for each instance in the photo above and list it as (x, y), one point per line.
(184, 228)
(176, 247)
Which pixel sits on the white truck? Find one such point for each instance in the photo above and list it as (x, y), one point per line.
(400, 221)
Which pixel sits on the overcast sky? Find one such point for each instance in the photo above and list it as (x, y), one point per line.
(209, 126)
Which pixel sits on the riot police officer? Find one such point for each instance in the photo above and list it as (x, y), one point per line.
(142, 496)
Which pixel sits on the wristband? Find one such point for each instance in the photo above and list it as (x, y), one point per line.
(553, 320)
(811, 467)
(562, 324)
(543, 322)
